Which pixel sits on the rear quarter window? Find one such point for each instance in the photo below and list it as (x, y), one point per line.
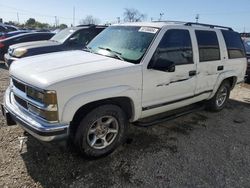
(208, 44)
(235, 47)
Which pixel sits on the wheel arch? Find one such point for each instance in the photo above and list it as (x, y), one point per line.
(125, 103)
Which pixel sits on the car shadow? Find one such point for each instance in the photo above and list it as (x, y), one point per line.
(55, 165)
(2, 65)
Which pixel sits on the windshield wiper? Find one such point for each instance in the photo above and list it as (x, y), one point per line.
(116, 54)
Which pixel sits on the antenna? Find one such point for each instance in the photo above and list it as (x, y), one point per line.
(161, 15)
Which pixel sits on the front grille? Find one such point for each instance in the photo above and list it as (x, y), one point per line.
(21, 102)
(18, 85)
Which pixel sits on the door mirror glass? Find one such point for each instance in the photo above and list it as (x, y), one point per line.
(162, 64)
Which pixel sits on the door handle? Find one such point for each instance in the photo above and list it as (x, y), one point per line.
(220, 68)
(192, 73)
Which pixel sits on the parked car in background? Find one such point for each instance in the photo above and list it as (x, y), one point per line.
(26, 37)
(4, 28)
(68, 39)
(13, 33)
(247, 47)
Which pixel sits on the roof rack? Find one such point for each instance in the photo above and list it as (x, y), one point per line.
(208, 25)
(169, 21)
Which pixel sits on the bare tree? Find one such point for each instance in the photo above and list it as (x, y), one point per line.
(133, 15)
(89, 19)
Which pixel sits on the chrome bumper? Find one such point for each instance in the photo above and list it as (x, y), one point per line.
(39, 129)
(8, 60)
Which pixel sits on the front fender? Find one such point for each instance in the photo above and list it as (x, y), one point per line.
(76, 102)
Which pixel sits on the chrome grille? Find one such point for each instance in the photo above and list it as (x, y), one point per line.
(21, 102)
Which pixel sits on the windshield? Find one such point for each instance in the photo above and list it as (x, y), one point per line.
(247, 46)
(128, 43)
(63, 35)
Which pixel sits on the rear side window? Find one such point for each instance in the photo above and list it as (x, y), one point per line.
(208, 44)
(176, 47)
(235, 47)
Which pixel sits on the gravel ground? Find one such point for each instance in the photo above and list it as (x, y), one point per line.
(201, 149)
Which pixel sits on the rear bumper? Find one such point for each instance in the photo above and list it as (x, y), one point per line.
(8, 60)
(37, 128)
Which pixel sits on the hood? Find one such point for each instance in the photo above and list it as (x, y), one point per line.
(35, 44)
(45, 70)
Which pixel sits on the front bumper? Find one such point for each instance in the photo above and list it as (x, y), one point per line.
(39, 129)
(8, 60)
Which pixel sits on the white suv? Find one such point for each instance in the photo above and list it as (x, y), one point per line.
(127, 73)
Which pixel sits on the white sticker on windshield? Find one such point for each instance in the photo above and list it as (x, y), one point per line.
(148, 30)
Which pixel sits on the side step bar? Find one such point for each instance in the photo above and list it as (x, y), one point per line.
(156, 119)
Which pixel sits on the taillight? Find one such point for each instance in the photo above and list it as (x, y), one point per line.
(1, 45)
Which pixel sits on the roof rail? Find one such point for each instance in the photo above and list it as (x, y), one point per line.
(208, 25)
(169, 21)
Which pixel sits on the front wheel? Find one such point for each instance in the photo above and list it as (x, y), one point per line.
(220, 98)
(101, 131)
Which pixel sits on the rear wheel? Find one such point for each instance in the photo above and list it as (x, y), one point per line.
(101, 131)
(220, 98)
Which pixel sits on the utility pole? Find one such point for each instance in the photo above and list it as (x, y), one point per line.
(118, 20)
(55, 21)
(152, 19)
(197, 17)
(161, 15)
(74, 12)
(17, 17)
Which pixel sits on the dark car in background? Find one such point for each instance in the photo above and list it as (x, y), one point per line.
(26, 37)
(73, 38)
(4, 28)
(247, 47)
(13, 33)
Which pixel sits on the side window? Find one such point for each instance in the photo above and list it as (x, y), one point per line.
(176, 47)
(208, 45)
(81, 37)
(234, 44)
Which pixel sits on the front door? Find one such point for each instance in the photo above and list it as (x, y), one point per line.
(163, 90)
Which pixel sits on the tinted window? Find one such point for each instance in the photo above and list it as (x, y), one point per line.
(234, 44)
(208, 45)
(176, 47)
(81, 37)
(2, 29)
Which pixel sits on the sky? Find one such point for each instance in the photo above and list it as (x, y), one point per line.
(233, 13)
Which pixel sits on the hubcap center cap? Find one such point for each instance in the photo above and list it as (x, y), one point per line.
(101, 131)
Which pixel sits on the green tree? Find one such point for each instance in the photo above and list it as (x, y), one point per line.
(63, 26)
(31, 22)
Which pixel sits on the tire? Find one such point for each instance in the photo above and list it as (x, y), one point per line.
(101, 131)
(219, 100)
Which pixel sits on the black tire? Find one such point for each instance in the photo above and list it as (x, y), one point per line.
(212, 104)
(91, 121)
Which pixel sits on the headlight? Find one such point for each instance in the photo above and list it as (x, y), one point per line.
(45, 97)
(49, 100)
(19, 52)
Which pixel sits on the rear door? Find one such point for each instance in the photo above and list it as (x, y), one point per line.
(210, 62)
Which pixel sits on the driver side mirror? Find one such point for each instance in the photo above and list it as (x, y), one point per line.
(73, 41)
(162, 64)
